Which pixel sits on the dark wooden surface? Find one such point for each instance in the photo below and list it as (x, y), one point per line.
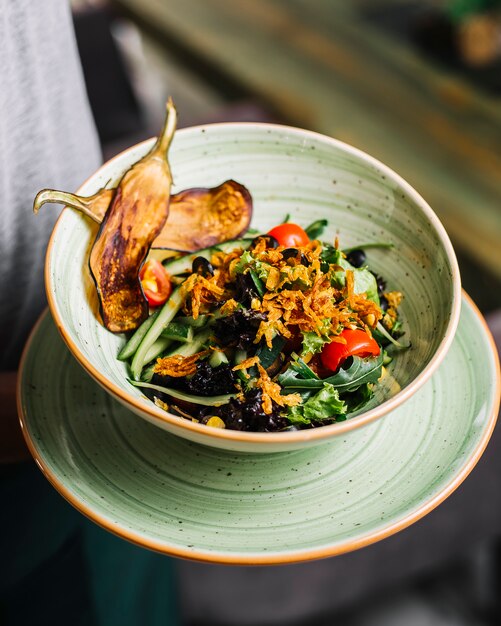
(318, 64)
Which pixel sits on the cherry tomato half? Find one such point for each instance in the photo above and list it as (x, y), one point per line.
(289, 235)
(358, 343)
(155, 282)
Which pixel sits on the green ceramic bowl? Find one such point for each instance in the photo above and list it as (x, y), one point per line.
(309, 176)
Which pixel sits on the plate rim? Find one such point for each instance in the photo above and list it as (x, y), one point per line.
(295, 556)
(156, 414)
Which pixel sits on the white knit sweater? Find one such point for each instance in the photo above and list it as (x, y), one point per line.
(47, 139)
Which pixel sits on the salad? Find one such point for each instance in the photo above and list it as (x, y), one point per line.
(272, 333)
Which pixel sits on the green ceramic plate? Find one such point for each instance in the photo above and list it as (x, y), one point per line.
(184, 499)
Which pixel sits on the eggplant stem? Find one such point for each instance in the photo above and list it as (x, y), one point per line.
(85, 205)
(164, 140)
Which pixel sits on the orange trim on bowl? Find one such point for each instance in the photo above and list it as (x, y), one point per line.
(272, 439)
(271, 559)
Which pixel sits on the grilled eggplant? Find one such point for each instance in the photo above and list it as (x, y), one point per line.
(135, 217)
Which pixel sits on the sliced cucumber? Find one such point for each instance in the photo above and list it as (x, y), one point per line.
(147, 373)
(240, 355)
(183, 264)
(159, 346)
(178, 332)
(190, 321)
(217, 358)
(179, 395)
(164, 317)
(188, 349)
(387, 359)
(132, 345)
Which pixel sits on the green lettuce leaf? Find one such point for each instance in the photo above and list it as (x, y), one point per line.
(248, 263)
(312, 343)
(364, 282)
(325, 404)
(245, 261)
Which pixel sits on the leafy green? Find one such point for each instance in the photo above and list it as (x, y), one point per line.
(380, 333)
(315, 229)
(331, 255)
(395, 329)
(187, 397)
(373, 244)
(313, 343)
(359, 372)
(364, 281)
(257, 282)
(248, 263)
(267, 356)
(245, 261)
(299, 366)
(325, 404)
(358, 398)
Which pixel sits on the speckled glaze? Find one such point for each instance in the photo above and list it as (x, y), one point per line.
(287, 171)
(183, 499)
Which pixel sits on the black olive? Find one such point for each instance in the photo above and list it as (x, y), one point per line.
(294, 254)
(201, 266)
(383, 303)
(381, 284)
(291, 254)
(356, 258)
(271, 242)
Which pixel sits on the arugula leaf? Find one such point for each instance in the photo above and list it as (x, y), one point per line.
(358, 398)
(267, 356)
(315, 229)
(325, 404)
(359, 372)
(372, 244)
(331, 255)
(301, 368)
(257, 282)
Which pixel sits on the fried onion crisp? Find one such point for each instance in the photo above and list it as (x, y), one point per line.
(272, 392)
(177, 365)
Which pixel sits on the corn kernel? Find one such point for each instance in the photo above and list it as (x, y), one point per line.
(215, 422)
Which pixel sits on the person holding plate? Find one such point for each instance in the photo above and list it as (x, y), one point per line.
(57, 567)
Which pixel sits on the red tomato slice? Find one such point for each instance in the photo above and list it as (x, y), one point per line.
(358, 343)
(155, 282)
(289, 235)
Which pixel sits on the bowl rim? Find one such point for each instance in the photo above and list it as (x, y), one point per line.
(157, 415)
